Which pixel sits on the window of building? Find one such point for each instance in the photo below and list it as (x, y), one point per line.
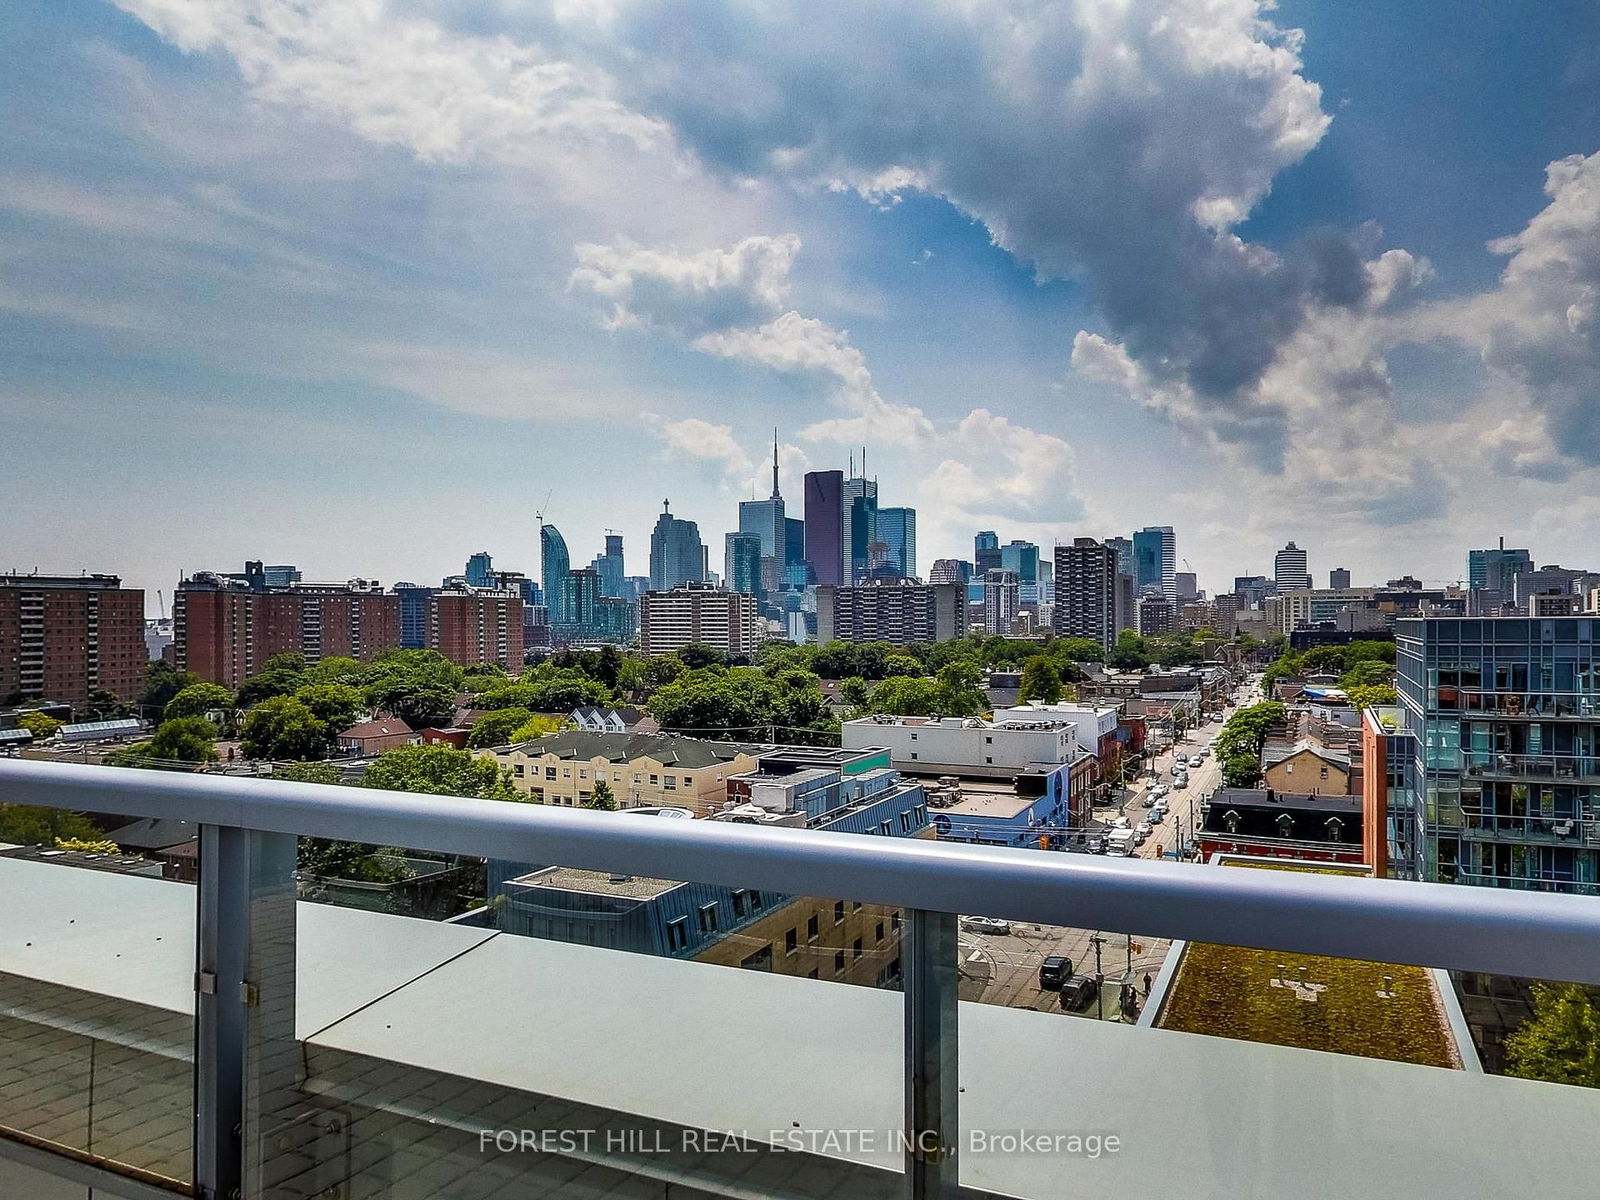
(582, 774)
(688, 781)
(517, 770)
(894, 921)
(988, 760)
(884, 828)
(791, 941)
(537, 794)
(678, 933)
(838, 963)
(708, 918)
(905, 822)
(838, 912)
(913, 754)
(549, 772)
(740, 900)
(583, 797)
(811, 928)
(1324, 772)
(759, 960)
(988, 741)
(670, 784)
(755, 901)
(880, 931)
(855, 905)
(566, 772)
(856, 948)
(654, 780)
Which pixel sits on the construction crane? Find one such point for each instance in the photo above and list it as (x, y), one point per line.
(540, 511)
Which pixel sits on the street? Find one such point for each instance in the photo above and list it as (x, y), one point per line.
(1004, 969)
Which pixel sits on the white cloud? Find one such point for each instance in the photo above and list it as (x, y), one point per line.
(708, 443)
(688, 292)
(1000, 469)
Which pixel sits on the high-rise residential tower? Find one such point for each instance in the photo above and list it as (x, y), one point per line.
(554, 563)
(1086, 591)
(897, 529)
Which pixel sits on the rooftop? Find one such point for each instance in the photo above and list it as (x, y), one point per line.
(669, 749)
(598, 883)
(1274, 753)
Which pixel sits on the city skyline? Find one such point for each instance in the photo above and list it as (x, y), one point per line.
(304, 293)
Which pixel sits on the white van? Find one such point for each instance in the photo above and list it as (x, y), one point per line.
(1120, 841)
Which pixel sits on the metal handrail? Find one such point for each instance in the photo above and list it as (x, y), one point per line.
(1547, 936)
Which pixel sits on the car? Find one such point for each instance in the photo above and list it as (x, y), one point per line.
(989, 925)
(1139, 838)
(1159, 790)
(1055, 970)
(1147, 801)
(1096, 845)
(1177, 768)
(1157, 815)
(1195, 760)
(1120, 823)
(1181, 782)
(1078, 993)
(1144, 828)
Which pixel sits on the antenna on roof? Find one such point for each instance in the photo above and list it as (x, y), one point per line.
(774, 462)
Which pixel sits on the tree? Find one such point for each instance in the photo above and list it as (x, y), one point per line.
(1040, 680)
(853, 691)
(163, 681)
(284, 728)
(1560, 1043)
(1241, 771)
(901, 664)
(41, 725)
(1129, 654)
(440, 771)
(699, 655)
(495, 728)
(336, 668)
(26, 825)
(561, 691)
(1371, 697)
(336, 705)
(269, 682)
(537, 726)
(418, 703)
(960, 690)
(197, 700)
(902, 696)
(1083, 650)
(107, 706)
(184, 739)
(601, 798)
(1367, 673)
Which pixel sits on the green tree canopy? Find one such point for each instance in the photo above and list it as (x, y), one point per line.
(197, 700)
(1040, 680)
(1369, 672)
(1371, 697)
(267, 683)
(440, 771)
(601, 798)
(901, 664)
(556, 693)
(496, 728)
(415, 701)
(184, 739)
(1130, 653)
(904, 696)
(537, 726)
(336, 705)
(1560, 1043)
(163, 681)
(41, 725)
(336, 669)
(283, 727)
(27, 825)
(699, 655)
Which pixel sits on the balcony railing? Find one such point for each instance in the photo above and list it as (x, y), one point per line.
(1531, 702)
(1556, 768)
(246, 1020)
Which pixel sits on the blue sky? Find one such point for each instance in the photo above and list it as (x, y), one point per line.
(357, 286)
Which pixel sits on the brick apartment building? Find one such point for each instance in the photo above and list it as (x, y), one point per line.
(224, 628)
(474, 626)
(66, 637)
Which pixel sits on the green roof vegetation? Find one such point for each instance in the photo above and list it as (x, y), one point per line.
(1372, 1010)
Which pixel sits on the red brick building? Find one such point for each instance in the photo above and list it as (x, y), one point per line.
(224, 630)
(474, 626)
(1264, 821)
(65, 637)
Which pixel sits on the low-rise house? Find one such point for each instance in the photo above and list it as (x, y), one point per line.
(598, 719)
(1306, 766)
(643, 770)
(1265, 821)
(375, 736)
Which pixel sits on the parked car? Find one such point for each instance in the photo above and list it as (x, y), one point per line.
(1096, 845)
(1055, 970)
(1159, 790)
(1181, 782)
(1078, 993)
(1120, 823)
(1157, 815)
(1195, 760)
(989, 925)
(1144, 829)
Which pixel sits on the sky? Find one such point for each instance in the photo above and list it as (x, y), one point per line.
(367, 287)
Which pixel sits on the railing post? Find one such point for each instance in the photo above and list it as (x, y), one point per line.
(932, 1083)
(221, 948)
(246, 1058)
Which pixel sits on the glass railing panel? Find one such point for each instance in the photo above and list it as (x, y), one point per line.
(1250, 1072)
(96, 1002)
(566, 1024)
